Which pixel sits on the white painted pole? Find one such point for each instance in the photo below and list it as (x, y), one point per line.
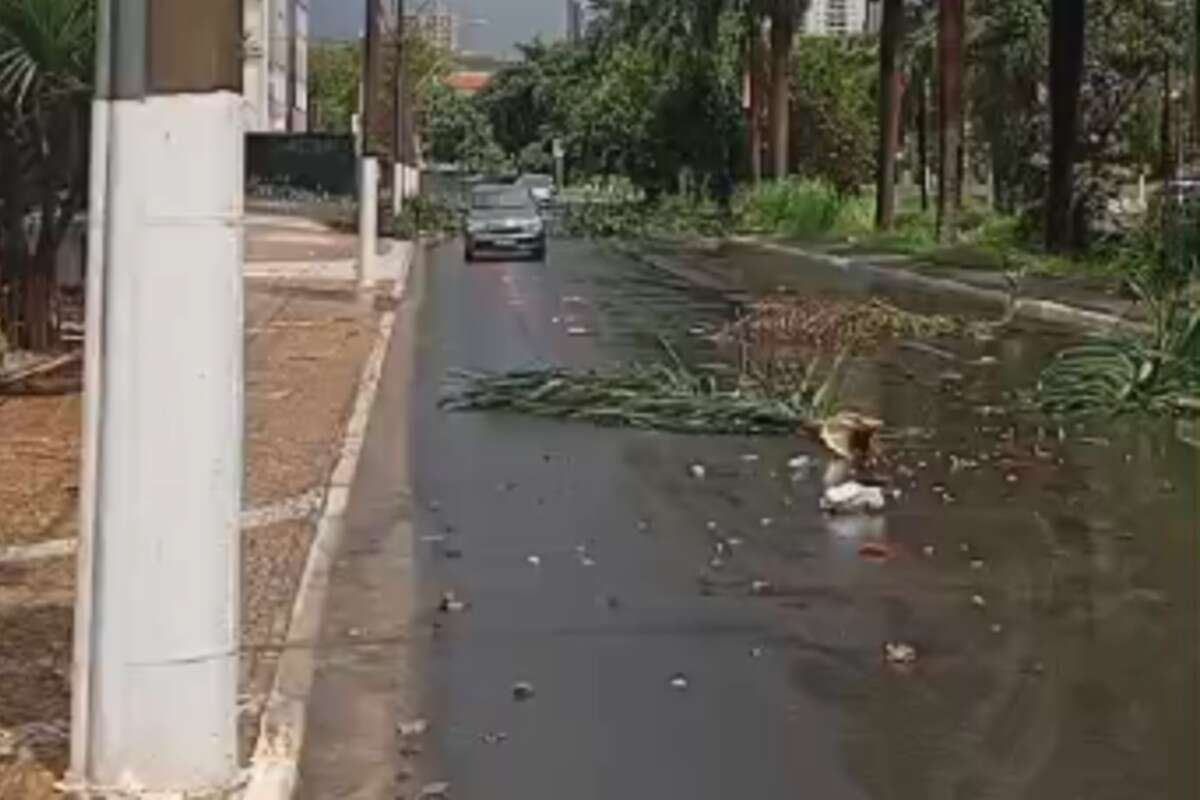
(400, 188)
(156, 660)
(368, 219)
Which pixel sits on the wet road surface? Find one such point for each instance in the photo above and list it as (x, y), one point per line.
(719, 637)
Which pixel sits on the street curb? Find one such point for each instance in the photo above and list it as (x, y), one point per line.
(1031, 308)
(275, 766)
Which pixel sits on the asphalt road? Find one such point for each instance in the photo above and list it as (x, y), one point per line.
(585, 560)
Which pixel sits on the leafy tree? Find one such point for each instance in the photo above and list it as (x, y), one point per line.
(458, 132)
(46, 63)
(334, 76)
(835, 111)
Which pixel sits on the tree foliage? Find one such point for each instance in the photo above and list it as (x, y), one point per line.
(334, 76)
(46, 56)
(833, 103)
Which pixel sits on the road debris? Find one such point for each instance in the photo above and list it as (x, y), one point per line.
(679, 682)
(494, 737)
(413, 728)
(851, 435)
(522, 690)
(758, 652)
(875, 551)
(900, 653)
(450, 604)
(801, 463)
(535, 561)
(435, 791)
(760, 587)
(978, 601)
(698, 471)
(750, 458)
(852, 498)
(818, 323)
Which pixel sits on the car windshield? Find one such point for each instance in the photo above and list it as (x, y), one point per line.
(486, 200)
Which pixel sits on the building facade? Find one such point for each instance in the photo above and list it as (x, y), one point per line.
(275, 69)
(841, 18)
(438, 26)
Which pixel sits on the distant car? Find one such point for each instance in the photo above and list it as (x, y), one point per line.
(503, 219)
(540, 186)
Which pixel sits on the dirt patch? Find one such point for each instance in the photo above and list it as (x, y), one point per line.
(39, 462)
(36, 607)
(302, 367)
(305, 351)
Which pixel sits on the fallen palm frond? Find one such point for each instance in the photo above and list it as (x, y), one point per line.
(825, 325)
(1159, 373)
(667, 397)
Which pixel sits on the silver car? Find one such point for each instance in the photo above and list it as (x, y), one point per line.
(503, 219)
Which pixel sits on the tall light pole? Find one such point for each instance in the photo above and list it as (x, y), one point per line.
(156, 627)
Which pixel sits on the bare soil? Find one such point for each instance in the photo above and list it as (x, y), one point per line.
(305, 350)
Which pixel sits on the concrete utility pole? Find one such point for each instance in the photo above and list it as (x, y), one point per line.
(368, 173)
(372, 78)
(156, 627)
(400, 134)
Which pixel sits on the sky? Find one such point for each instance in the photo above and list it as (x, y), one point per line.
(493, 26)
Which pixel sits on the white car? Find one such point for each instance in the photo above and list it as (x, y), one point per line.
(540, 186)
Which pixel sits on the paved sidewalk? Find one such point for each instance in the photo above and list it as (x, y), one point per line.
(306, 343)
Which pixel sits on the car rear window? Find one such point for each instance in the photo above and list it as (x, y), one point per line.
(500, 198)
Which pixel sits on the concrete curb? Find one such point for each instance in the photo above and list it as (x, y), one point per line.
(274, 769)
(1031, 308)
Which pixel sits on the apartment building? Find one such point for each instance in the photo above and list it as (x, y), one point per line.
(841, 17)
(438, 26)
(275, 69)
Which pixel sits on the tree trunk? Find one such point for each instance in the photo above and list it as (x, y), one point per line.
(757, 97)
(923, 138)
(783, 31)
(950, 99)
(1166, 151)
(891, 42)
(1067, 25)
(1196, 79)
(38, 291)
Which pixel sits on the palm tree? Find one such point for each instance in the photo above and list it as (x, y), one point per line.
(784, 16)
(890, 89)
(951, 24)
(1067, 26)
(46, 55)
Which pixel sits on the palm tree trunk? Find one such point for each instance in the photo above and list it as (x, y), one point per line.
(922, 85)
(757, 97)
(1196, 80)
(1167, 151)
(890, 46)
(950, 99)
(1067, 26)
(783, 31)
